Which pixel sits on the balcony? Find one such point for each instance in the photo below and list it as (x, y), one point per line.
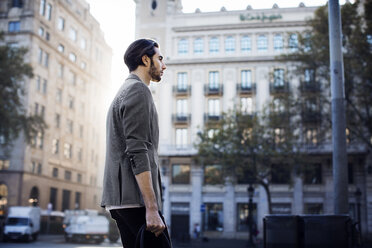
(242, 89)
(214, 90)
(182, 91)
(279, 87)
(310, 87)
(181, 118)
(311, 116)
(211, 118)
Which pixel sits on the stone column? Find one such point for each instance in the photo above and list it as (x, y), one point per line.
(298, 196)
(229, 210)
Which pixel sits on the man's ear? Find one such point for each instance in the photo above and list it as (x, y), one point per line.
(146, 60)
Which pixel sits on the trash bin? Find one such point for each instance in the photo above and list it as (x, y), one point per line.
(281, 231)
(331, 231)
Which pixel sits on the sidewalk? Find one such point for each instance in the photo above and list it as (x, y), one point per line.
(214, 243)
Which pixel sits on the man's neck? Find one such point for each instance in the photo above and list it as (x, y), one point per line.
(142, 75)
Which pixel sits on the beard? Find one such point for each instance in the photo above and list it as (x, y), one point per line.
(154, 73)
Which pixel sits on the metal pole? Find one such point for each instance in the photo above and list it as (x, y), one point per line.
(340, 172)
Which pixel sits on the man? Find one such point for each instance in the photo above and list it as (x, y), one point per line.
(132, 183)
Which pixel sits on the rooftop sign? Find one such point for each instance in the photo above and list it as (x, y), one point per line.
(258, 17)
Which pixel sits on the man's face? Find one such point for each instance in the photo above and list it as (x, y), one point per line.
(157, 66)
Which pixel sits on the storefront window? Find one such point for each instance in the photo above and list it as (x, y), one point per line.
(243, 214)
(181, 174)
(213, 217)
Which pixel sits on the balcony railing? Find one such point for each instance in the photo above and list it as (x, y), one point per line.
(310, 87)
(213, 89)
(181, 118)
(210, 118)
(242, 89)
(182, 91)
(277, 88)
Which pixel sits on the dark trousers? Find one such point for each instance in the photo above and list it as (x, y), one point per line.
(129, 221)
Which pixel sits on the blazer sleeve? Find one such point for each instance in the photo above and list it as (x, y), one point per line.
(136, 109)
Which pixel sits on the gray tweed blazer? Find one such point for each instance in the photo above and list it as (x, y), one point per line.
(132, 137)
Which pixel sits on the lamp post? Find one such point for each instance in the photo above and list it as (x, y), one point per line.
(358, 194)
(250, 190)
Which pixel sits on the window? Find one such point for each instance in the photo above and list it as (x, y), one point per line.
(83, 65)
(309, 76)
(262, 43)
(307, 42)
(183, 46)
(246, 77)
(71, 102)
(55, 172)
(57, 119)
(181, 174)
(243, 214)
(73, 34)
(80, 154)
(67, 150)
(181, 137)
(47, 36)
(214, 107)
(81, 131)
(61, 23)
(181, 107)
(311, 136)
(278, 43)
(213, 217)
(66, 196)
(313, 208)
(77, 200)
(279, 135)
(38, 83)
(68, 175)
(213, 80)
(198, 46)
(213, 174)
(14, 26)
(45, 86)
(49, 12)
(245, 44)
(39, 168)
(246, 105)
(280, 174)
(72, 57)
(313, 174)
(182, 81)
(42, 7)
(212, 132)
(278, 105)
(83, 43)
(46, 59)
(278, 77)
(53, 197)
(33, 167)
(60, 70)
(42, 111)
(214, 45)
(79, 178)
(55, 146)
(61, 48)
(72, 78)
(293, 42)
(70, 126)
(17, 3)
(4, 164)
(230, 44)
(40, 55)
(41, 31)
(59, 95)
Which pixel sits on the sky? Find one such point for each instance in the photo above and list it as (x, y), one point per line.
(117, 20)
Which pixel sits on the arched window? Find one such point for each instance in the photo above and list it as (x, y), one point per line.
(34, 196)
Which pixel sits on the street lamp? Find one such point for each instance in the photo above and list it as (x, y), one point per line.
(250, 190)
(358, 194)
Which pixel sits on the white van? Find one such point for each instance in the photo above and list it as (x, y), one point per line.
(22, 223)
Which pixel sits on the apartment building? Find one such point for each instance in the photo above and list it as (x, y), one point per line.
(218, 61)
(71, 63)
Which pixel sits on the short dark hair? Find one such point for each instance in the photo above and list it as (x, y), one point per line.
(135, 51)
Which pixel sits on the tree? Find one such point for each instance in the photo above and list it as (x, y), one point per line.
(13, 115)
(256, 148)
(312, 58)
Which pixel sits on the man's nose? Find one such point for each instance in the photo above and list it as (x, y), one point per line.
(164, 66)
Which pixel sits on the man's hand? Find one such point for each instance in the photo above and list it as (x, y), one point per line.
(154, 223)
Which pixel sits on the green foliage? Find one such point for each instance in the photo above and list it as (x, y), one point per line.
(13, 115)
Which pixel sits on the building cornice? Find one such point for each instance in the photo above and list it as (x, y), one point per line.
(239, 26)
(212, 60)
